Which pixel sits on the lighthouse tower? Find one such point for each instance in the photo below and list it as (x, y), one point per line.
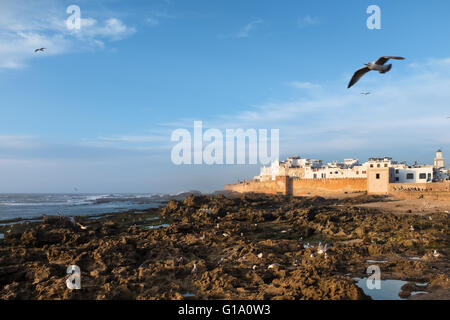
(439, 162)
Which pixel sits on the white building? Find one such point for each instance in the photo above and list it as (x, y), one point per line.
(413, 174)
(351, 168)
(439, 162)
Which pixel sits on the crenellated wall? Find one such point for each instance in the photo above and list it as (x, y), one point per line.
(324, 187)
(270, 187)
(301, 187)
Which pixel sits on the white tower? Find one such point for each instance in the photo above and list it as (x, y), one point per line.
(439, 161)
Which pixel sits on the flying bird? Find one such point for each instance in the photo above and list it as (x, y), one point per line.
(40, 49)
(378, 65)
(365, 93)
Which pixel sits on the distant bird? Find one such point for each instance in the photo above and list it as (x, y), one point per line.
(254, 267)
(312, 255)
(365, 93)
(411, 228)
(40, 49)
(377, 66)
(203, 237)
(194, 269)
(260, 255)
(273, 265)
(436, 254)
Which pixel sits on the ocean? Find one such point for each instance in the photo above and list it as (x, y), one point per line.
(34, 205)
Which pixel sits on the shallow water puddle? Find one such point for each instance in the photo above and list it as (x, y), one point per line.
(414, 258)
(375, 261)
(188, 294)
(389, 289)
(157, 226)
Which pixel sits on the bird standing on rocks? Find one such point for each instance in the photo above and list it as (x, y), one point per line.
(194, 269)
(378, 65)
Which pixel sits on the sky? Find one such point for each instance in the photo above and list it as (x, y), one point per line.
(95, 110)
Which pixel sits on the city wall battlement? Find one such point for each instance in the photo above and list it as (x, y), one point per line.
(326, 187)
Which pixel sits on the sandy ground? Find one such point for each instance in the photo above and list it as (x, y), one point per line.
(414, 206)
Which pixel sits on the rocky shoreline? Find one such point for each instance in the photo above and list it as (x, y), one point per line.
(228, 247)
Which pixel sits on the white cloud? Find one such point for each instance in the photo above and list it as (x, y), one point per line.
(247, 29)
(307, 21)
(304, 85)
(25, 26)
(155, 17)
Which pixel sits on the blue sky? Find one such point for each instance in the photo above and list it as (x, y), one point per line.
(96, 110)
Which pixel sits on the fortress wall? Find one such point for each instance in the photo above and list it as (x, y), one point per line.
(269, 187)
(432, 195)
(301, 187)
(323, 187)
(434, 186)
(435, 190)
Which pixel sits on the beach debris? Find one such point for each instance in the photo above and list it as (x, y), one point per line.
(260, 255)
(322, 249)
(273, 265)
(194, 269)
(242, 234)
(430, 218)
(377, 66)
(72, 220)
(436, 254)
(312, 255)
(225, 234)
(307, 246)
(221, 261)
(203, 237)
(254, 267)
(295, 263)
(411, 228)
(283, 231)
(180, 260)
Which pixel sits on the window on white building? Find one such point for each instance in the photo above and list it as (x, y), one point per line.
(410, 176)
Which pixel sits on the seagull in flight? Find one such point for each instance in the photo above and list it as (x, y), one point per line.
(40, 49)
(378, 65)
(365, 93)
